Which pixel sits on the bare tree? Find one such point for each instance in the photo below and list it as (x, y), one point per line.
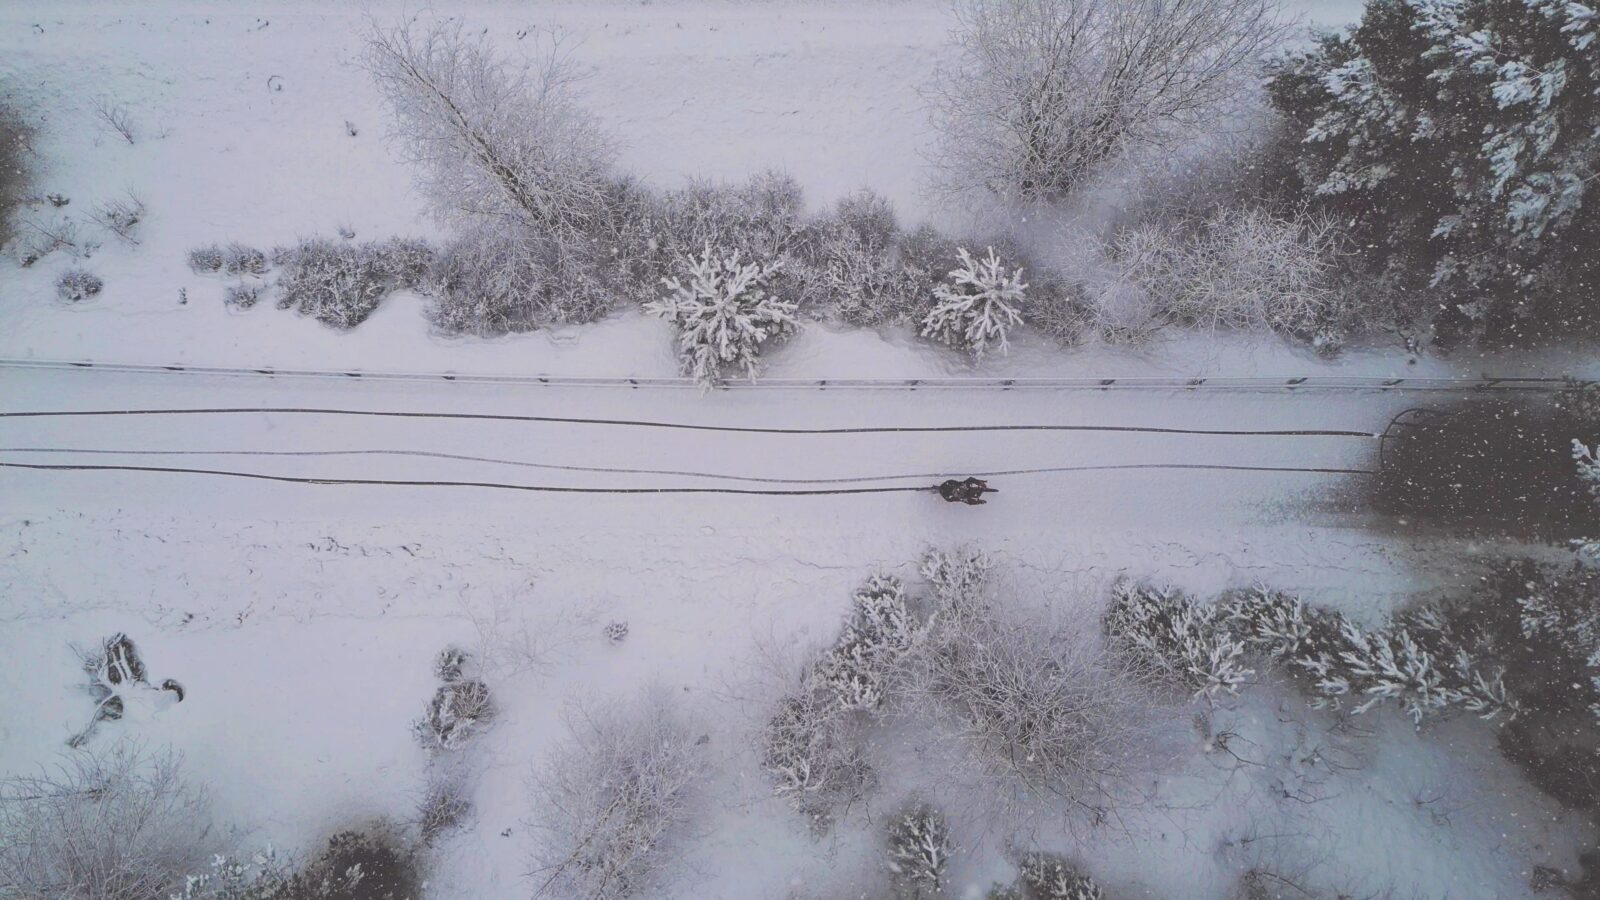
(493, 141)
(116, 824)
(612, 804)
(1041, 92)
(116, 117)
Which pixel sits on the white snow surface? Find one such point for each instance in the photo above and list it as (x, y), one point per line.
(303, 619)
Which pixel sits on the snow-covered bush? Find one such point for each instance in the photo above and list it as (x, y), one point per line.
(114, 669)
(450, 664)
(1046, 876)
(1456, 137)
(268, 876)
(112, 824)
(1123, 312)
(853, 265)
(242, 296)
(495, 280)
(406, 261)
(121, 216)
(811, 750)
(1060, 307)
(810, 746)
(763, 219)
(458, 711)
(1242, 267)
(977, 305)
(723, 314)
(612, 803)
(1041, 94)
(444, 805)
(241, 259)
(461, 708)
(1039, 704)
(340, 283)
(919, 849)
(205, 259)
(75, 285)
(879, 632)
(1189, 644)
(1416, 660)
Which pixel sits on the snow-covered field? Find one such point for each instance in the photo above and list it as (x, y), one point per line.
(303, 619)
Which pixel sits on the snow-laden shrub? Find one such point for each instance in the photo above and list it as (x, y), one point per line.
(1416, 660)
(340, 283)
(121, 216)
(208, 258)
(1188, 643)
(1414, 664)
(114, 669)
(76, 285)
(406, 261)
(1060, 307)
(977, 305)
(267, 876)
(42, 236)
(810, 746)
(1240, 268)
(444, 806)
(919, 850)
(611, 804)
(1046, 876)
(458, 712)
(812, 752)
(853, 265)
(723, 314)
(112, 824)
(492, 281)
(880, 630)
(241, 259)
(450, 664)
(1039, 705)
(242, 296)
(763, 219)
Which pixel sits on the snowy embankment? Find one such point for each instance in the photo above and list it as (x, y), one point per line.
(244, 116)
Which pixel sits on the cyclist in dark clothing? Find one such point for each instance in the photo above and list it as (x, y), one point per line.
(970, 491)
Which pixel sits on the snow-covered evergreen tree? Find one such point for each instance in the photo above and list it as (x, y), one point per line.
(1588, 460)
(723, 314)
(1458, 139)
(879, 631)
(1189, 642)
(977, 305)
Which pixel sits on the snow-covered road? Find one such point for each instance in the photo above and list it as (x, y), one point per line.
(215, 576)
(1133, 516)
(630, 450)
